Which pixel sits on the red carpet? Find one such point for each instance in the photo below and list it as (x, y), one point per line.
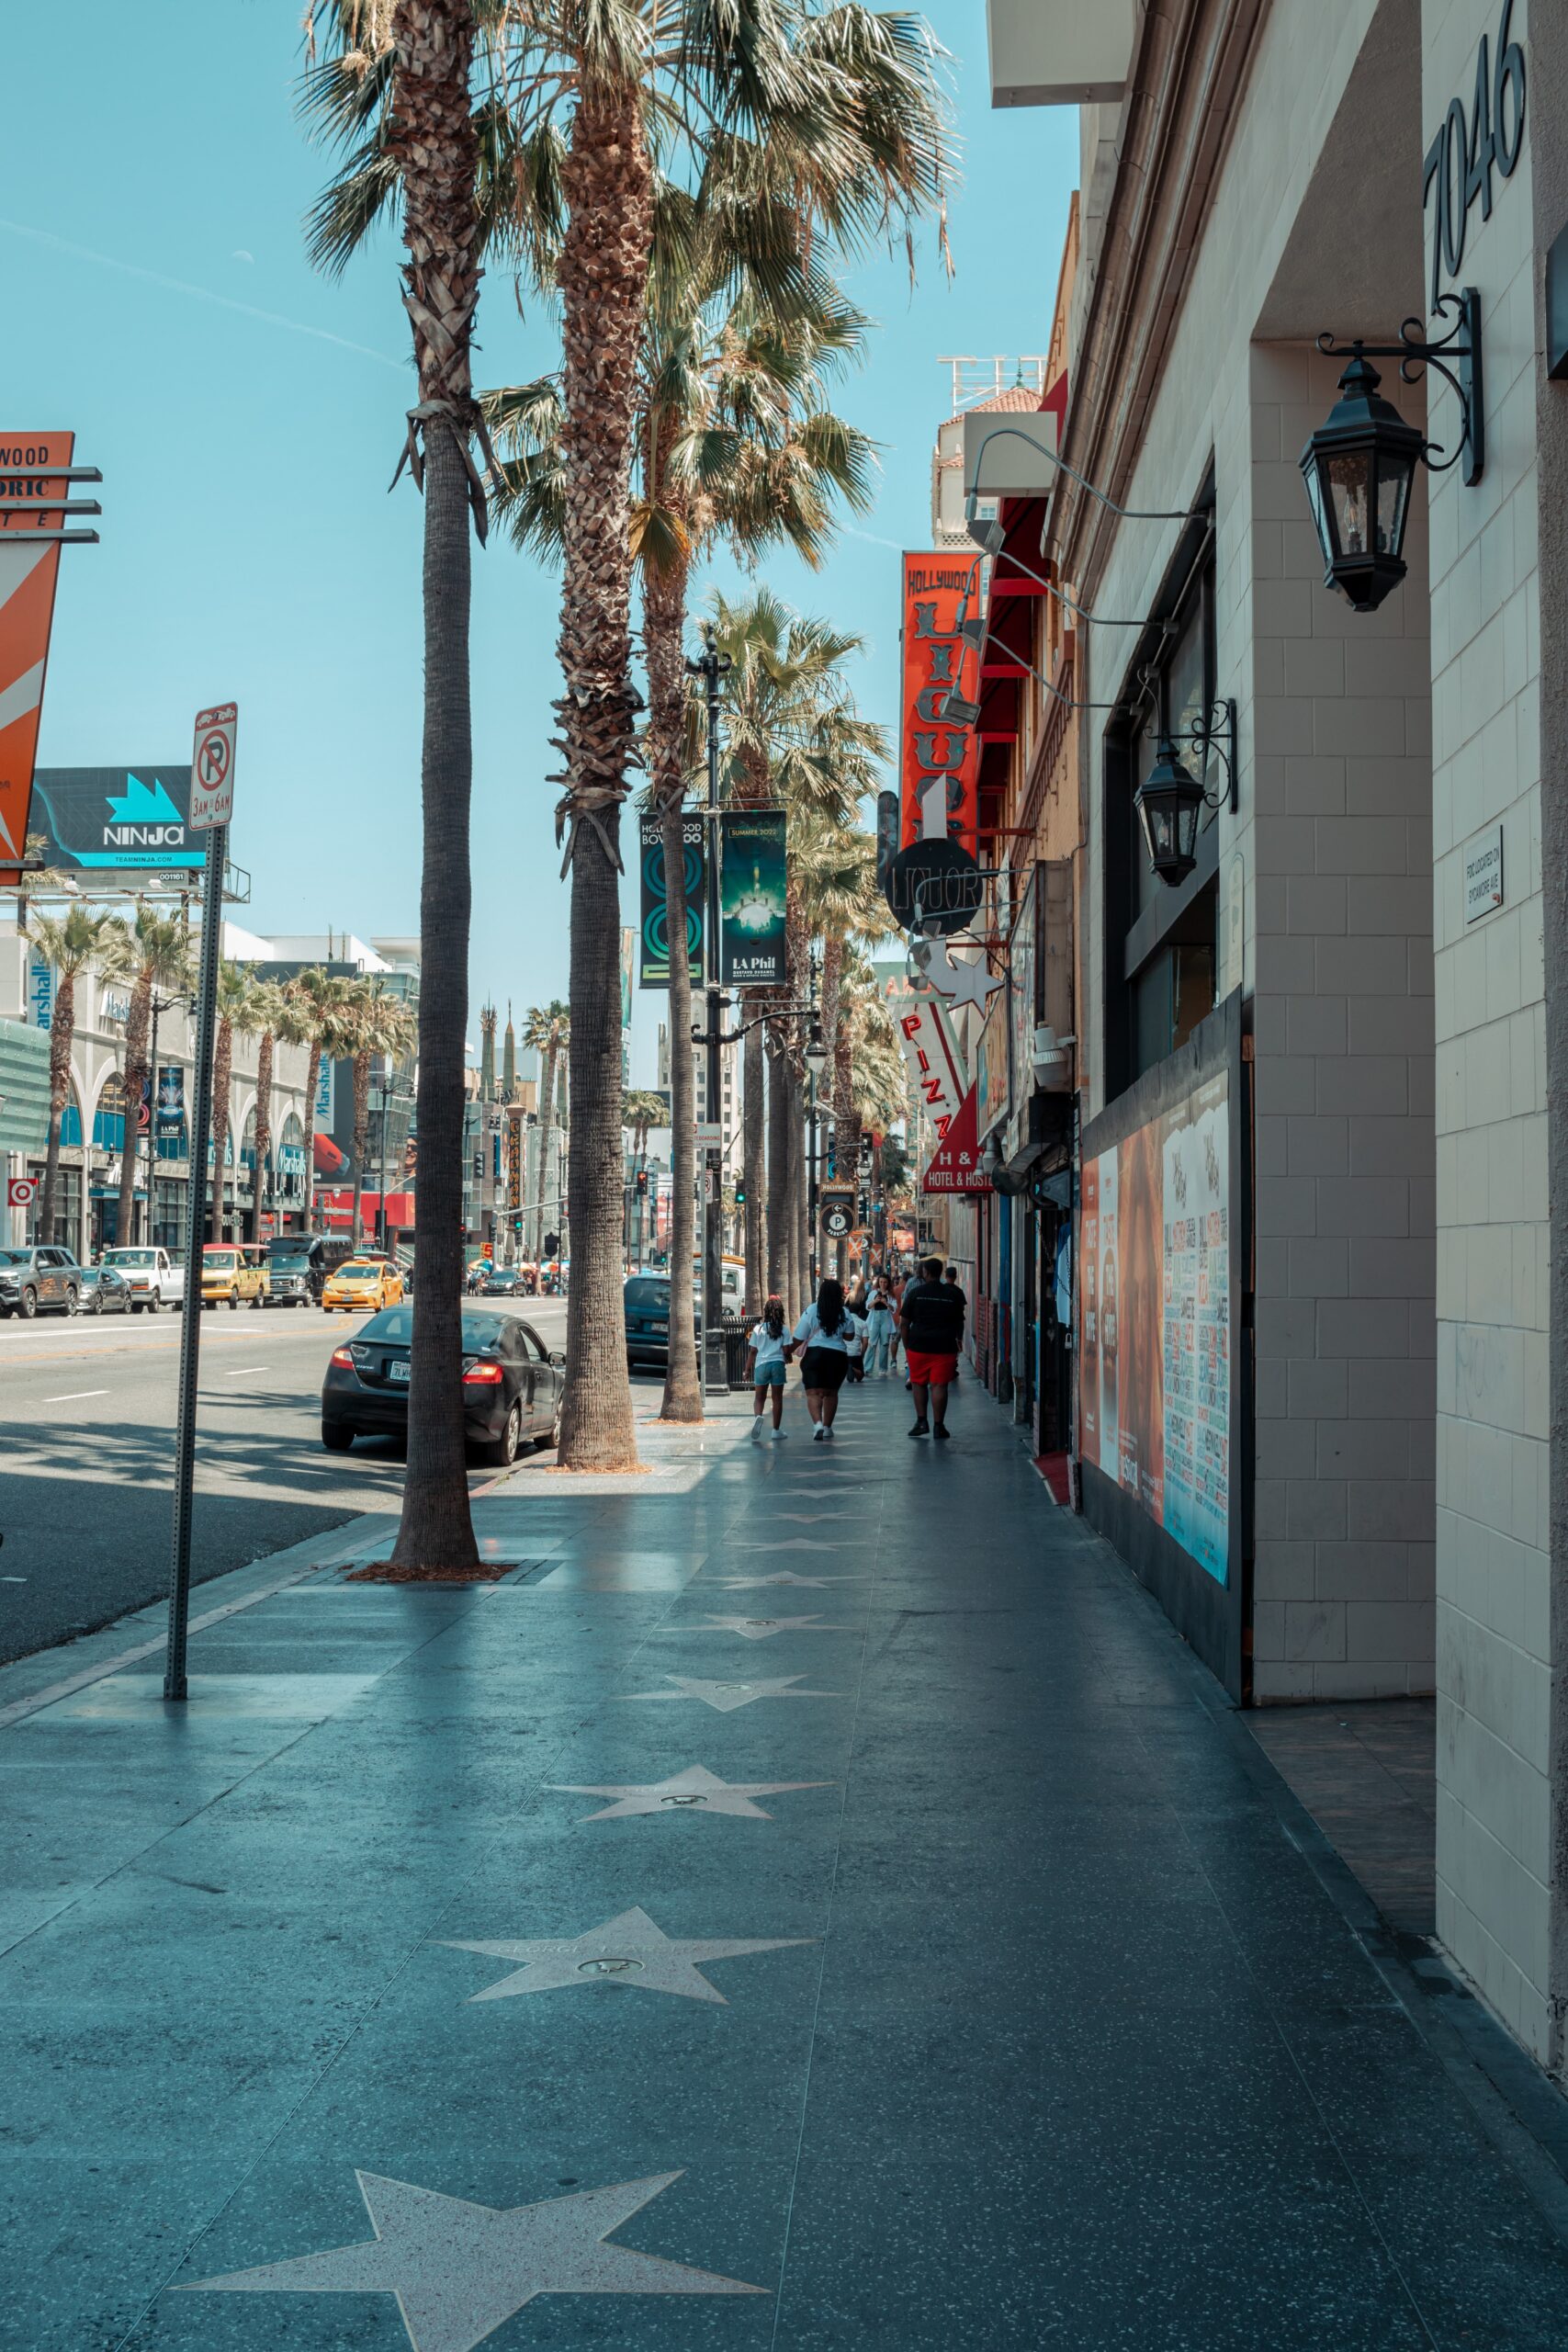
(1053, 1468)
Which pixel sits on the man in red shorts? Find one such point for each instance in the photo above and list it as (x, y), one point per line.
(932, 1319)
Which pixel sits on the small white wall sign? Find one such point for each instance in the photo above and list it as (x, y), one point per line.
(1484, 874)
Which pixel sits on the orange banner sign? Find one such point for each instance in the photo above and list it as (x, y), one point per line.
(936, 659)
(28, 573)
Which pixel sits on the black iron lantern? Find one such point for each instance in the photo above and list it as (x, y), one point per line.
(1360, 466)
(1169, 802)
(1357, 469)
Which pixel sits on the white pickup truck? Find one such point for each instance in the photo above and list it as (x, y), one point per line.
(155, 1279)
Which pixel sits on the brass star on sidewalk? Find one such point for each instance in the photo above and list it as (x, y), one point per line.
(724, 1697)
(629, 1949)
(693, 1790)
(782, 1576)
(763, 1629)
(460, 2270)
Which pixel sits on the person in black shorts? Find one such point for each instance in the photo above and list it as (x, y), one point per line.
(824, 1332)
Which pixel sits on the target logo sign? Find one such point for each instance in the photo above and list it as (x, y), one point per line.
(21, 1191)
(212, 767)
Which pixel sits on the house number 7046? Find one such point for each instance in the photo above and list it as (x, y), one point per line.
(1459, 161)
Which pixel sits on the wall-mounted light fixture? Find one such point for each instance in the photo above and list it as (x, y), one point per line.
(1359, 467)
(1170, 801)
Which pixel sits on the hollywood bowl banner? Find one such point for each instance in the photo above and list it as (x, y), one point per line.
(940, 765)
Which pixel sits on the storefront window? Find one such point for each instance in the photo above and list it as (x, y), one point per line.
(66, 1229)
(169, 1212)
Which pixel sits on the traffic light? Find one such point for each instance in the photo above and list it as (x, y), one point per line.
(865, 1208)
(517, 1223)
(642, 1183)
(552, 1245)
(741, 1191)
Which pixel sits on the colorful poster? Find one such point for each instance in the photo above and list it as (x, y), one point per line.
(991, 1068)
(653, 960)
(751, 898)
(1155, 1321)
(940, 765)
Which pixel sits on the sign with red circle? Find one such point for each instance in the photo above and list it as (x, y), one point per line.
(21, 1191)
(212, 767)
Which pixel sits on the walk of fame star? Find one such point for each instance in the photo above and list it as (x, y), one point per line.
(460, 2270)
(724, 1697)
(628, 1949)
(697, 1790)
(763, 1629)
(782, 1576)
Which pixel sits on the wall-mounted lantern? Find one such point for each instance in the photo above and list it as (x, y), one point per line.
(1359, 467)
(1170, 801)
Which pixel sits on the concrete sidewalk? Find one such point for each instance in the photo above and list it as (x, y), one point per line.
(910, 1949)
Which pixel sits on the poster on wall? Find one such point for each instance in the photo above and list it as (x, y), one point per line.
(653, 946)
(1023, 995)
(751, 898)
(940, 765)
(991, 1068)
(1154, 1320)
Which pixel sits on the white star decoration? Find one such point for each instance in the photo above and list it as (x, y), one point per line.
(781, 1576)
(806, 1543)
(460, 2270)
(697, 1790)
(959, 983)
(763, 1629)
(724, 1697)
(629, 1949)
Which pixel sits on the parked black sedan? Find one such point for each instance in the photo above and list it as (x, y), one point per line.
(512, 1382)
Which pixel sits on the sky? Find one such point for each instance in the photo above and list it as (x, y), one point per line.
(247, 415)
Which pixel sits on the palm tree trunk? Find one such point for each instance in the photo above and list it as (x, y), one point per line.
(546, 1129)
(602, 276)
(264, 1129)
(222, 1071)
(753, 1116)
(435, 1529)
(313, 1081)
(664, 613)
(62, 1029)
(136, 1029)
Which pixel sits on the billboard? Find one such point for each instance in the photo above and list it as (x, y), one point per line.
(116, 820)
(931, 753)
(27, 575)
(653, 950)
(1154, 1320)
(751, 898)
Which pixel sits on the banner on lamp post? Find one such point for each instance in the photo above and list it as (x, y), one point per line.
(752, 885)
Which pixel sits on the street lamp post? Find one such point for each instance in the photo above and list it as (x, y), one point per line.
(710, 669)
(815, 1063)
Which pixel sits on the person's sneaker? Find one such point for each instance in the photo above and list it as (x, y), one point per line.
(941, 1433)
(828, 1431)
(819, 1434)
(778, 1433)
(756, 1427)
(921, 1429)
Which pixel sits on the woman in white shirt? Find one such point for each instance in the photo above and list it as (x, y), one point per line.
(771, 1351)
(824, 1331)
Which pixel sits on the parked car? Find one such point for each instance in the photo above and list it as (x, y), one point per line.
(42, 1281)
(505, 1282)
(155, 1278)
(512, 1384)
(228, 1274)
(646, 1298)
(362, 1284)
(104, 1289)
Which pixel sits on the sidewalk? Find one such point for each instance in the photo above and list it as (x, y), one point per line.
(914, 1953)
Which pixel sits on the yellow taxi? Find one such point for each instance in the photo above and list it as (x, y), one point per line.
(362, 1285)
(231, 1273)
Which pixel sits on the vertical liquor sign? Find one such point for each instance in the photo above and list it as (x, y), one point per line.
(940, 764)
(35, 477)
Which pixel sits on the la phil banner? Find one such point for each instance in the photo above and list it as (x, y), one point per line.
(1154, 1320)
(935, 656)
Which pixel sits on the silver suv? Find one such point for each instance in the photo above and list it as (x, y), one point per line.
(46, 1280)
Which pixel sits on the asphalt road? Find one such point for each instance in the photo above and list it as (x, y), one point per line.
(87, 1451)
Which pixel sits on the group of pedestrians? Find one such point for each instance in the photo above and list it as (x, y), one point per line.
(839, 1339)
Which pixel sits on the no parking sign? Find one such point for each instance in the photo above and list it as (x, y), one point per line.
(212, 767)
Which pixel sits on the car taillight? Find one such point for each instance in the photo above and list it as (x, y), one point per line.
(486, 1373)
(341, 1355)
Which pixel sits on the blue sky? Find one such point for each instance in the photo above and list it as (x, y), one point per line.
(247, 416)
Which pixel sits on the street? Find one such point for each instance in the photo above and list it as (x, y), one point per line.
(86, 1444)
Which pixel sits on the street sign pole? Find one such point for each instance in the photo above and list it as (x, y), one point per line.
(212, 789)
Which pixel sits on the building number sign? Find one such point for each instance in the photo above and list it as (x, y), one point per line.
(1459, 162)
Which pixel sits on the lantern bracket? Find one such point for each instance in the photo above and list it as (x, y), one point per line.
(1462, 347)
(1214, 736)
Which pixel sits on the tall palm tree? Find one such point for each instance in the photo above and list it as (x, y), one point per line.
(547, 1029)
(375, 1026)
(236, 1018)
(312, 1017)
(267, 1011)
(149, 954)
(72, 942)
(417, 63)
(835, 869)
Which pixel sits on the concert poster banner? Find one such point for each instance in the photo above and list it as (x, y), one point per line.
(936, 659)
(752, 885)
(653, 945)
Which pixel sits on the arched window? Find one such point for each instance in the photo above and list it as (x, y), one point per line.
(248, 1141)
(109, 1119)
(70, 1123)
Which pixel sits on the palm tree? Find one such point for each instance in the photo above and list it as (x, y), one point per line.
(547, 1029)
(835, 869)
(642, 1108)
(416, 62)
(267, 1011)
(72, 942)
(311, 1014)
(375, 1026)
(236, 1017)
(149, 954)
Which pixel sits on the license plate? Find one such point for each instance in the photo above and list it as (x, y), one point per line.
(397, 1370)
(659, 1327)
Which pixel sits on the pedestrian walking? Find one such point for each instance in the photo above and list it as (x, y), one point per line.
(881, 1328)
(857, 1339)
(823, 1333)
(950, 1282)
(769, 1350)
(933, 1319)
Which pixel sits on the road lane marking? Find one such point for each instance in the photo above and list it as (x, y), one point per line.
(75, 1396)
(239, 1370)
